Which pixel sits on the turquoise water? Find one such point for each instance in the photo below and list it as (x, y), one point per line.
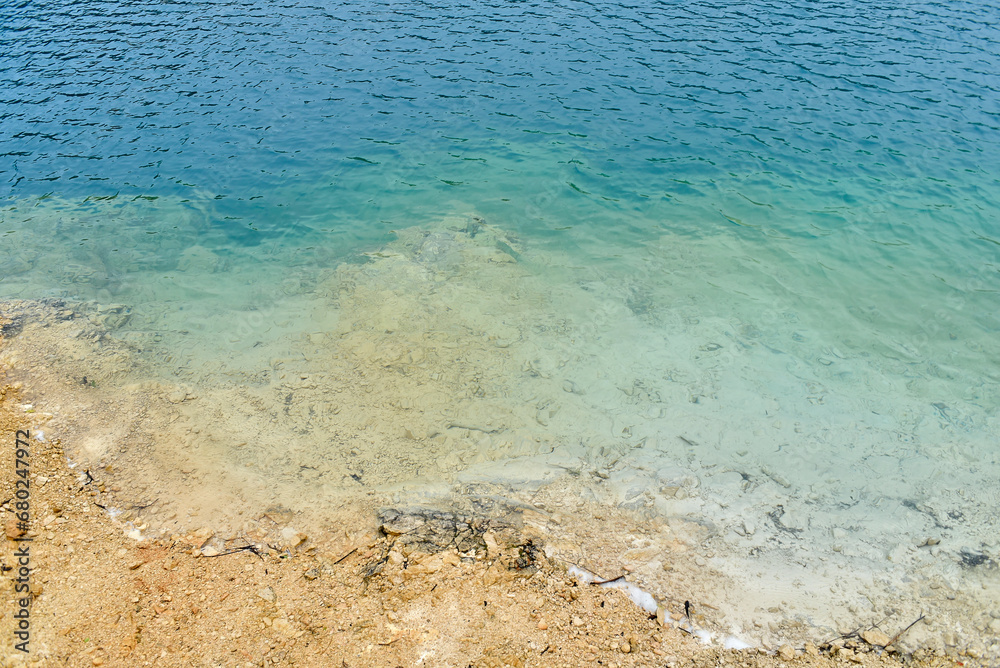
(723, 238)
(862, 132)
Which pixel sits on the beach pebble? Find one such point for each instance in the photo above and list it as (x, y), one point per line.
(11, 528)
(291, 537)
(493, 575)
(492, 546)
(200, 537)
(284, 627)
(786, 653)
(571, 387)
(875, 637)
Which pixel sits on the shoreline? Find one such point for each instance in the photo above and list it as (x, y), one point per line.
(369, 598)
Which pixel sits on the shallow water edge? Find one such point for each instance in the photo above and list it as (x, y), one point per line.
(412, 379)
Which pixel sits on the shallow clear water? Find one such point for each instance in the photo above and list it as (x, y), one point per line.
(754, 247)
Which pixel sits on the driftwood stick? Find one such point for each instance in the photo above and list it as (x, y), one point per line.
(345, 556)
(245, 548)
(897, 636)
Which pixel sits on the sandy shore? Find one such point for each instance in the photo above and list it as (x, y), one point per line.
(392, 595)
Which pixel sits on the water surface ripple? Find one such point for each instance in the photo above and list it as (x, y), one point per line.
(729, 270)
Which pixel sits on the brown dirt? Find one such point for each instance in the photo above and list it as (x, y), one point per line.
(99, 597)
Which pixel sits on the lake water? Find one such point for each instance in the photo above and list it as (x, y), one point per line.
(729, 268)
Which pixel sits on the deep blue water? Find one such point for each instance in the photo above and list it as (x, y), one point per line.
(785, 116)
